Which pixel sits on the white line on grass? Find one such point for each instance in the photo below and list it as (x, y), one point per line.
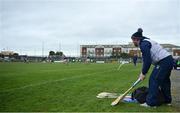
(119, 66)
(47, 82)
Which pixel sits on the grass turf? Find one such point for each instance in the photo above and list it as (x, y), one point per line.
(40, 87)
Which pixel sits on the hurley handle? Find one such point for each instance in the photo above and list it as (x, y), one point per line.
(135, 83)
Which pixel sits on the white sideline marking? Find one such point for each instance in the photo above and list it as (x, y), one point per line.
(120, 66)
(47, 82)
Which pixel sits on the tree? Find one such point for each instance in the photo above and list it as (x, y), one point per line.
(1, 55)
(116, 54)
(124, 55)
(15, 55)
(59, 53)
(51, 53)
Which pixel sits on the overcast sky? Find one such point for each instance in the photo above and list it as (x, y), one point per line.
(26, 26)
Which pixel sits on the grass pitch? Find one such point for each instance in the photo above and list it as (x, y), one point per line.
(48, 87)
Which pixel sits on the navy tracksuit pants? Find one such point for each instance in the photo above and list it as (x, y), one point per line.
(160, 79)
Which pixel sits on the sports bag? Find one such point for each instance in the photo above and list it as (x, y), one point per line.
(141, 93)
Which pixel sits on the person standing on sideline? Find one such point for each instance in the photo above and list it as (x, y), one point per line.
(153, 53)
(135, 59)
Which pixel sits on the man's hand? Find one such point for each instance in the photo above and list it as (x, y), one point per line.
(142, 77)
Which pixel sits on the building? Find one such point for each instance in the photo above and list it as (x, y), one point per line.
(7, 53)
(173, 49)
(109, 50)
